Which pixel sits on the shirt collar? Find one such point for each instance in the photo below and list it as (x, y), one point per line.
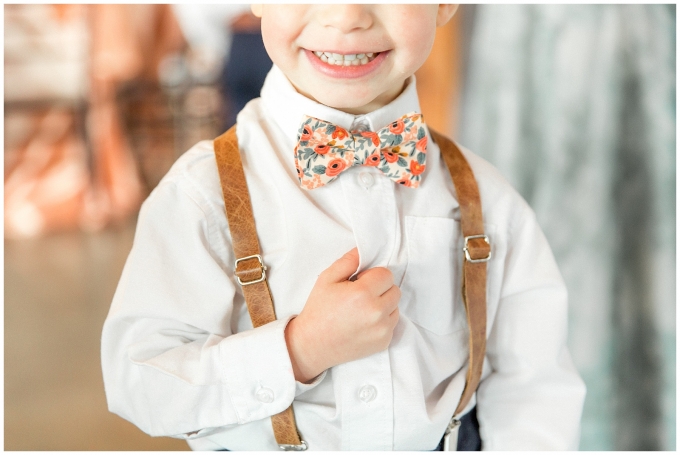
(288, 108)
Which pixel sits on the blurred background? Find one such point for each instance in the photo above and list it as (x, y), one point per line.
(575, 104)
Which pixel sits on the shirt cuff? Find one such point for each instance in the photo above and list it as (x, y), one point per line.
(257, 372)
(301, 388)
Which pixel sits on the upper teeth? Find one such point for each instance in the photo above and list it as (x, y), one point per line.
(346, 60)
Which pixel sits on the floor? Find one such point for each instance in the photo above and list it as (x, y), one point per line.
(57, 293)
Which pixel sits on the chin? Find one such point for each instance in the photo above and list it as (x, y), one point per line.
(346, 100)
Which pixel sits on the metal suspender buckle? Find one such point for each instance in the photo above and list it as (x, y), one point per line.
(263, 269)
(467, 249)
(294, 447)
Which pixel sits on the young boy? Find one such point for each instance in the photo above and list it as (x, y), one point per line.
(370, 344)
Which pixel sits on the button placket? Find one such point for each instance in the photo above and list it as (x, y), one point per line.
(366, 402)
(366, 179)
(373, 216)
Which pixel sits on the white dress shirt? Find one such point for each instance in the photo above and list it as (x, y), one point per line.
(180, 357)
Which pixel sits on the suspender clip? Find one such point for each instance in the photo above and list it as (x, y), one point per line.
(451, 435)
(294, 447)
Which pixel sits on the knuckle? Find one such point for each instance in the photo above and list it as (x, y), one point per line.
(389, 274)
(379, 337)
(387, 339)
(358, 293)
(379, 274)
(375, 314)
(384, 274)
(323, 275)
(386, 329)
(364, 293)
(397, 292)
(395, 319)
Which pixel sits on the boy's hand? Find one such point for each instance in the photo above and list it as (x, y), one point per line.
(343, 320)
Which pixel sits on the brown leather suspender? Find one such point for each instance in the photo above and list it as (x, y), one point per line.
(477, 251)
(249, 268)
(251, 272)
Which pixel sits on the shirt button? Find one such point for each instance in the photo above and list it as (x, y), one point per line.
(366, 179)
(265, 395)
(367, 393)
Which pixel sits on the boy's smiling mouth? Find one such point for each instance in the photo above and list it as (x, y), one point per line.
(333, 58)
(346, 66)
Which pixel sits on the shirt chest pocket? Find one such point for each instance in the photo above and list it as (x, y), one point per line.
(431, 288)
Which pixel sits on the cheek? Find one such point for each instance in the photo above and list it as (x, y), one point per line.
(419, 50)
(412, 29)
(417, 47)
(278, 40)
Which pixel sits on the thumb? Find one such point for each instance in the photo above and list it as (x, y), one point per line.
(343, 268)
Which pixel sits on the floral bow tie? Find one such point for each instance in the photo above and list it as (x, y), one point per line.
(325, 150)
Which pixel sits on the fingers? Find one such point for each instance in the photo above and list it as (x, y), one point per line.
(390, 299)
(360, 274)
(377, 280)
(343, 268)
(394, 317)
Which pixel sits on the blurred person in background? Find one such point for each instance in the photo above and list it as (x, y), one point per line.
(68, 161)
(228, 38)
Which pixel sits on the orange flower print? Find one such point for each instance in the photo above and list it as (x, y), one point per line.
(335, 167)
(374, 137)
(389, 156)
(421, 145)
(373, 160)
(409, 135)
(416, 168)
(397, 127)
(404, 181)
(306, 133)
(340, 133)
(328, 150)
(321, 149)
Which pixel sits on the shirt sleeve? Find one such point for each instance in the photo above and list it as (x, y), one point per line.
(172, 362)
(533, 397)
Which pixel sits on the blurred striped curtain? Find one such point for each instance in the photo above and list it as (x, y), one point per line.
(575, 104)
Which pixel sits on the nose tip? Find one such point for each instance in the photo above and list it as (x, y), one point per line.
(347, 18)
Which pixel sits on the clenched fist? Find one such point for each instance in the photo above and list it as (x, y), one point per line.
(343, 320)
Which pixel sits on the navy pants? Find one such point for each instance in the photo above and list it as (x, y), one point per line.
(468, 434)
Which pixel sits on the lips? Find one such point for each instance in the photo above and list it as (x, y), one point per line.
(347, 68)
